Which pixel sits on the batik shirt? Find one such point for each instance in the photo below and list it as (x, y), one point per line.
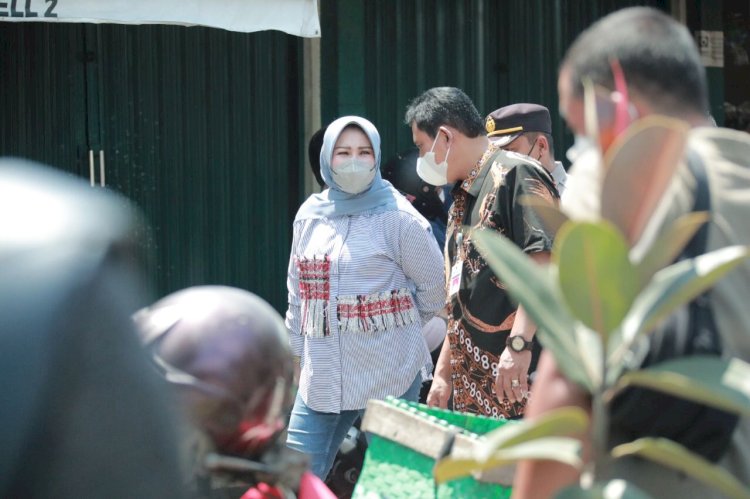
(360, 288)
(481, 312)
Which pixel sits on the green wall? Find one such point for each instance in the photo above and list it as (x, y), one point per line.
(377, 55)
(201, 128)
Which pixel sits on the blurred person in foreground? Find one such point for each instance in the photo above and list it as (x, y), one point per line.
(224, 353)
(82, 413)
(664, 74)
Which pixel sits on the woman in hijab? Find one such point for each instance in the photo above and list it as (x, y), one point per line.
(365, 274)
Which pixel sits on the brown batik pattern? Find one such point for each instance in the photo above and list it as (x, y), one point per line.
(473, 390)
(473, 369)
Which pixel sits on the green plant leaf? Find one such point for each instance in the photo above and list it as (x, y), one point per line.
(552, 216)
(710, 380)
(672, 287)
(590, 351)
(560, 422)
(531, 285)
(675, 456)
(639, 166)
(561, 449)
(669, 245)
(597, 280)
(613, 489)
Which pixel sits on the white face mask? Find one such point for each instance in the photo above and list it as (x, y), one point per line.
(354, 176)
(430, 171)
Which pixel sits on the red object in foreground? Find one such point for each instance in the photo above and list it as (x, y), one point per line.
(310, 487)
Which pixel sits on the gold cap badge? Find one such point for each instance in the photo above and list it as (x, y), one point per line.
(489, 124)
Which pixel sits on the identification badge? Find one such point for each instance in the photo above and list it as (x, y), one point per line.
(455, 283)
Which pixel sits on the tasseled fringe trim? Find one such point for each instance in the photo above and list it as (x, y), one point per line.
(314, 286)
(376, 312)
(315, 318)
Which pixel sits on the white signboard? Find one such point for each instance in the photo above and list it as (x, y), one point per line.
(711, 46)
(296, 17)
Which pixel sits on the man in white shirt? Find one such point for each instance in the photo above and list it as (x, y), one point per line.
(527, 129)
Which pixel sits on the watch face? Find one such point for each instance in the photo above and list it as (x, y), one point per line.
(517, 343)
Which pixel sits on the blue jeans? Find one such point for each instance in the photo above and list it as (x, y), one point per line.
(320, 434)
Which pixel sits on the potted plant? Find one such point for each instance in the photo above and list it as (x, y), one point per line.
(600, 295)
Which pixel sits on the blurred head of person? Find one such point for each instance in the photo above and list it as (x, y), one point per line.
(79, 398)
(224, 352)
(659, 62)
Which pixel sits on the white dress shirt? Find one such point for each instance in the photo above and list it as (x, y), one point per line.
(560, 176)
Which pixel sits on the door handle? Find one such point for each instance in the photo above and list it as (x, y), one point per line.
(102, 169)
(92, 169)
(91, 166)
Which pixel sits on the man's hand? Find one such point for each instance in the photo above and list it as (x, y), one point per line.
(440, 392)
(442, 386)
(512, 375)
(513, 367)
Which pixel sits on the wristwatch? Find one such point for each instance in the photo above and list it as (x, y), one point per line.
(518, 344)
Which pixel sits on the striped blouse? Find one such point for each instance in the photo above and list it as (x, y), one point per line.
(360, 289)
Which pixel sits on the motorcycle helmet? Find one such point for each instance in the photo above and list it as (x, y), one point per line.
(225, 351)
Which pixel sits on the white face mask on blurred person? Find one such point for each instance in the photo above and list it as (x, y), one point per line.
(354, 175)
(429, 170)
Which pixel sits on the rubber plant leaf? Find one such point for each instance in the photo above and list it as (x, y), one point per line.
(561, 449)
(614, 489)
(597, 280)
(557, 423)
(668, 246)
(708, 380)
(536, 289)
(677, 457)
(552, 216)
(639, 166)
(669, 289)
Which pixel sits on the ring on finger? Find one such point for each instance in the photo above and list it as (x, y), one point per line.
(514, 383)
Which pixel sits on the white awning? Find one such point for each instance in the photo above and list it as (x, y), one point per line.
(296, 17)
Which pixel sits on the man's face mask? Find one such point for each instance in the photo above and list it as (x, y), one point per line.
(533, 144)
(354, 176)
(429, 170)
